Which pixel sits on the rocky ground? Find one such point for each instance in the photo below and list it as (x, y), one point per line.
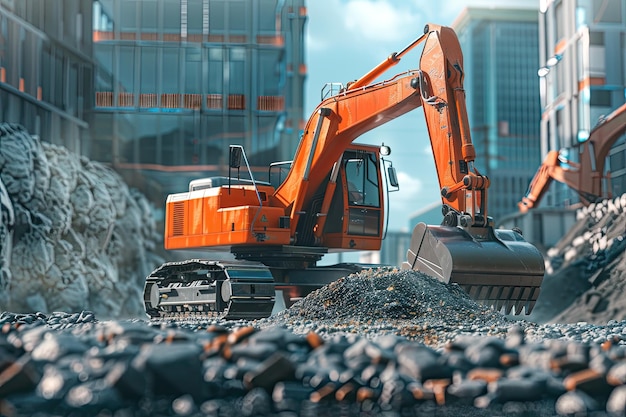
(382, 342)
(424, 349)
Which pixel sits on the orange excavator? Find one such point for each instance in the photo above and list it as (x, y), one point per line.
(332, 197)
(586, 176)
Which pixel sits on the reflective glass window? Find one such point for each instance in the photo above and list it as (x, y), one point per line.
(128, 15)
(195, 15)
(607, 11)
(216, 71)
(193, 68)
(148, 70)
(104, 57)
(4, 44)
(269, 72)
(58, 82)
(149, 16)
(171, 16)
(237, 71)
(171, 73)
(237, 16)
(217, 16)
(212, 138)
(126, 69)
(267, 15)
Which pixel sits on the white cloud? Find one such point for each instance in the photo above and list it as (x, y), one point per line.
(410, 187)
(380, 20)
(409, 198)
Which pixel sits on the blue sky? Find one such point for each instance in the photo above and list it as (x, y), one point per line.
(347, 38)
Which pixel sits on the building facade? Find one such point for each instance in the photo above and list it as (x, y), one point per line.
(583, 77)
(178, 81)
(46, 69)
(500, 52)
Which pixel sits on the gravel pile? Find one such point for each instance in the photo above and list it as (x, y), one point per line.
(389, 301)
(586, 270)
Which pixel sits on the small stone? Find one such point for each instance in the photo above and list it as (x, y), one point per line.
(616, 404)
(576, 403)
(505, 390)
(274, 369)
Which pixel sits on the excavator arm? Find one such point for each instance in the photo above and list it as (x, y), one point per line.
(463, 189)
(496, 267)
(339, 120)
(586, 176)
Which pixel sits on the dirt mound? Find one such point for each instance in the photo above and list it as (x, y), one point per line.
(387, 293)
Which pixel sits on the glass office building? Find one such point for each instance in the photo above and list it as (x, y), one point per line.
(46, 69)
(583, 77)
(178, 81)
(501, 57)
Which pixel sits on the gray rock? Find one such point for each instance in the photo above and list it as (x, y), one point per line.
(83, 239)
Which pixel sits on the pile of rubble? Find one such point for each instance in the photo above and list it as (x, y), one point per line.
(386, 301)
(586, 269)
(67, 225)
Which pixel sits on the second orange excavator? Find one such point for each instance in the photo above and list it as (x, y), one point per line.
(585, 176)
(332, 198)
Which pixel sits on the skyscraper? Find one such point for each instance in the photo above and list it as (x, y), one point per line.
(500, 50)
(583, 76)
(178, 81)
(46, 69)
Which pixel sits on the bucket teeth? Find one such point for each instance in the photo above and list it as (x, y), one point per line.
(506, 299)
(494, 266)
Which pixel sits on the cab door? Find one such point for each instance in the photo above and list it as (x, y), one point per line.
(362, 193)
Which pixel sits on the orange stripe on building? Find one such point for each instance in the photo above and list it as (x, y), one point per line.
(102, 35)
(589, 81)
(237, 38)
(560, 46)
(149, 36)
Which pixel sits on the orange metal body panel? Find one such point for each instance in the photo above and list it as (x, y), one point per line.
(347, 242)
(222, 217)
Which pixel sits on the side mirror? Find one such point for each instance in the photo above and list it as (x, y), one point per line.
(385, 150)
(393, 178)
(235, 156)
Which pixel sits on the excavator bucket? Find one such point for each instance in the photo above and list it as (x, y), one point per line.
(495, 267)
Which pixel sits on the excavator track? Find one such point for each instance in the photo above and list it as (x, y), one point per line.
(213, 289)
